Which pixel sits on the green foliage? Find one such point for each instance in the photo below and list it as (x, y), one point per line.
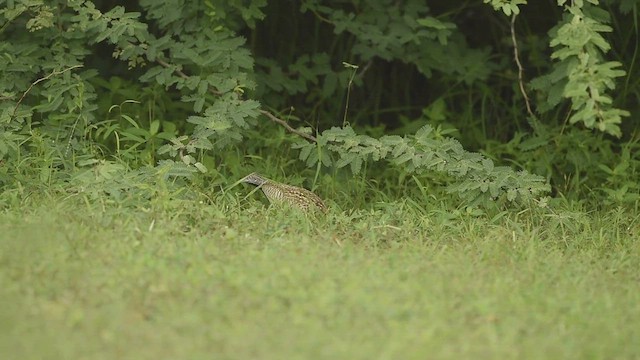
(508, 7)
(95, 181)
(390, 30)
(67, 103)
(621, 184)
(478, 180)
(567, 160)
(581, 74)
(185, 92)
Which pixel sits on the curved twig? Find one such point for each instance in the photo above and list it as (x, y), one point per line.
(288, 127)
(39, 81)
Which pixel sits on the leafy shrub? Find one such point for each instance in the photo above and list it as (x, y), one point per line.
(190, 95)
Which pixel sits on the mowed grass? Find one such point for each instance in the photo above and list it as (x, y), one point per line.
(202, 281)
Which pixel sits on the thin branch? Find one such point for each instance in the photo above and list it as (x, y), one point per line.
(167, 65)
(322, 18)
(520, 68)
(288, 127)
(365, 68)
(183, 75)
(263, 112)
(54, 73)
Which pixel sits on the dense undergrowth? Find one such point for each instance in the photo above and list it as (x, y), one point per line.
(386, 97)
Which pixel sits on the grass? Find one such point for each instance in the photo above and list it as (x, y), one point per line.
(190, 280)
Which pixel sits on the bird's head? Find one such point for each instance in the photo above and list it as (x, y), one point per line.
(254, 179)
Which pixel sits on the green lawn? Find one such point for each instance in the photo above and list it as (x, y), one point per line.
(198, 281)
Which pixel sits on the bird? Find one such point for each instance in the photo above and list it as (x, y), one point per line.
(279, 193)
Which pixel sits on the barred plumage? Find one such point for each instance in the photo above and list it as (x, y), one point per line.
(282, 193)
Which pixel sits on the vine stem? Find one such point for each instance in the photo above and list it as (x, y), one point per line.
(346, 105)
(519, 64)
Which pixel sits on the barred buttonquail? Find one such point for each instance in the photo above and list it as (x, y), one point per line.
(279, 193)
